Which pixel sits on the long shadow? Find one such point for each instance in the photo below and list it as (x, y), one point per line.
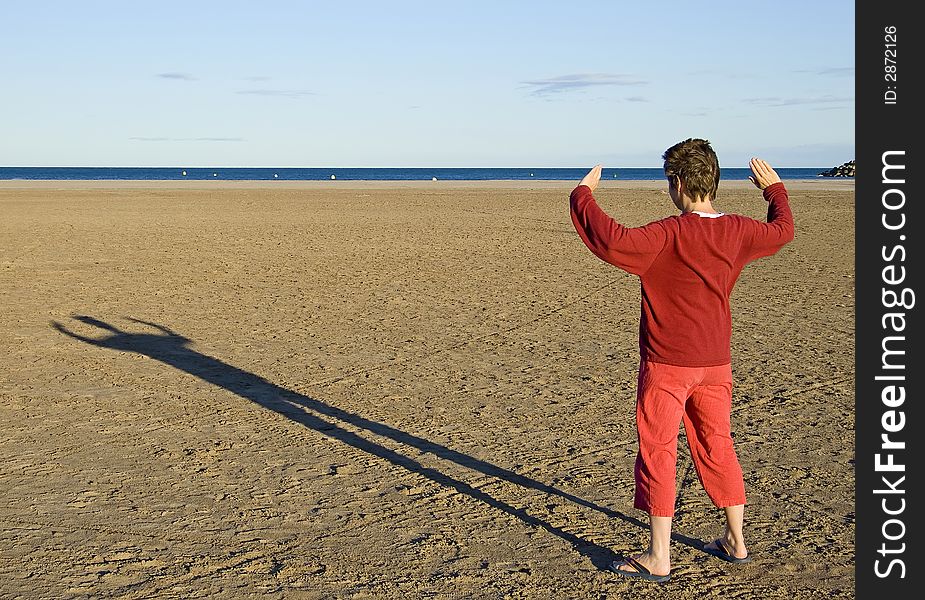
(173, 349)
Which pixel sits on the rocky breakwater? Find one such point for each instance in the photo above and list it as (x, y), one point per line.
(842, 170)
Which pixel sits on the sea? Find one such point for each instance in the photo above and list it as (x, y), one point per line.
(359, 174)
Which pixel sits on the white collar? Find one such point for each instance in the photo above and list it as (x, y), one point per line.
(708, 215)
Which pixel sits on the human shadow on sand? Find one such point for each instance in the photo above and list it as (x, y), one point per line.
(173, 349)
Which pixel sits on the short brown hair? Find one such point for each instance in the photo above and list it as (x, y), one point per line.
(694, 162)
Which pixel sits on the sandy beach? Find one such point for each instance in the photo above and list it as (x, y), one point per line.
(392, 390)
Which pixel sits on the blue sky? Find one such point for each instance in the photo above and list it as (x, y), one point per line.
(430, 84)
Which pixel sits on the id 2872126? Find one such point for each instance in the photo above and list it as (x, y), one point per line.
(889, 64)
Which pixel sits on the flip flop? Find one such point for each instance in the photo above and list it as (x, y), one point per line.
(640, 573)
(723, 553)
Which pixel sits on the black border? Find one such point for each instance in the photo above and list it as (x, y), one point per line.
(883, 127)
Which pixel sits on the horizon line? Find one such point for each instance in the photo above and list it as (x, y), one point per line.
(181, 167)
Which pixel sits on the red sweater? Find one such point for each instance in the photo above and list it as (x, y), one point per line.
(687, 265)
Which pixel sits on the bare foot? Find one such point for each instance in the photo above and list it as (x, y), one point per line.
(659, 568)
(728, 549)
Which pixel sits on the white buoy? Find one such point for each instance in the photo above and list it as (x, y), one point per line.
(184, 173)
(531, 174)
(433, 179)
(275, 175)
(214, 174)
(332, 177)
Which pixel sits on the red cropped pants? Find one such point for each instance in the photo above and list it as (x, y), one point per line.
(702, 398)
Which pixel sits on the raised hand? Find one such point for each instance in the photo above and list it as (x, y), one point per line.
(762, 173)
(592, 178)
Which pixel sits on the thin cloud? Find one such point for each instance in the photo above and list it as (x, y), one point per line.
(835, 71)
(198, 139)
(578, 81)
(611, 99)
(177, 76)
(256, 78)
(277, 93)
(795, 101)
